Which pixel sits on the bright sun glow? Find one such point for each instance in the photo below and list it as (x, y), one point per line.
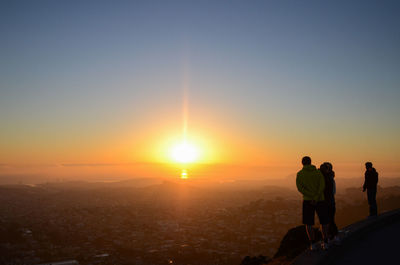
(184, 153)
(184, 174)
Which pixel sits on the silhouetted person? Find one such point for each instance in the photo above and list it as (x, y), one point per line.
(329, 194)
(370, 184)
(310, 182)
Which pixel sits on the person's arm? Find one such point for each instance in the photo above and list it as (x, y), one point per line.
(302, 188)
(365, 182)
(334, 186)
(321, 187)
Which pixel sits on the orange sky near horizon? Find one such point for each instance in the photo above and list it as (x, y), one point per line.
(145, 152)
(275, 151)
(255, 86)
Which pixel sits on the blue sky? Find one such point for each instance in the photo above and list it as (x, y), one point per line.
(265, 68)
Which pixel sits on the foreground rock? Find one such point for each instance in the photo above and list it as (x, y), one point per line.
(260, 260)
(295, 242)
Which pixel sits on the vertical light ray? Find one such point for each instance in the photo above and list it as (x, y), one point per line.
(185, 102)
(185, 114)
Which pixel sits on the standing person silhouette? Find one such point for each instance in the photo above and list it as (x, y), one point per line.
(370, 184)
(310, 182)
(329, 193)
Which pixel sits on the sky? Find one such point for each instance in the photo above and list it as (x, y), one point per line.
(107, 86)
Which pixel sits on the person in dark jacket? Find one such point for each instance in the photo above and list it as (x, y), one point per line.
(329, 194)
(370, 185)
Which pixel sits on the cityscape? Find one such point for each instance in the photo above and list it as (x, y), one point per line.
(108, 225)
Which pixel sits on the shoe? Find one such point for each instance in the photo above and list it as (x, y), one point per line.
(336, 241)
(324, 245)
(314, 246)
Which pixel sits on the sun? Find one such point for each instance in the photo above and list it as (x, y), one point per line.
(185, 153)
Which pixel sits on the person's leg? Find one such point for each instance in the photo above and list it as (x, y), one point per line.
(323, 216)
(333, 229)
(332, 224)
(370, 201)
(371, 194)
(310, 233)
(308, 221)
(374, 205)
(330, 215)
(325, 232)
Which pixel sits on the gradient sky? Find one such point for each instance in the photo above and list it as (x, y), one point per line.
(102, 82)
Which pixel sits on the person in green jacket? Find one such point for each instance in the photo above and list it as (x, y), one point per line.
(311, 183)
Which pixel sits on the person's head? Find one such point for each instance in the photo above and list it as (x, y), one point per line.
(306, 161)
(368, 165)
(329, 166)
(323, 168)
